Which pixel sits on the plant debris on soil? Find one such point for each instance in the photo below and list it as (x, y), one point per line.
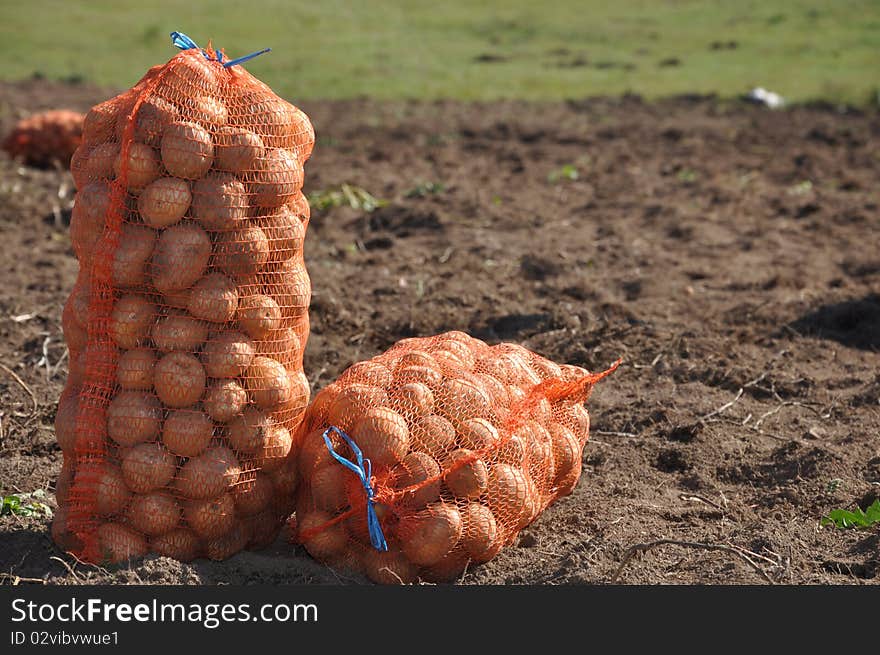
(727, 252)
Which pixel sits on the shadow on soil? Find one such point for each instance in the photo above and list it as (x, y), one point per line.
(854, 323)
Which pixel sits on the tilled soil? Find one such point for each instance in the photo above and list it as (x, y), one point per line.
(727, 252)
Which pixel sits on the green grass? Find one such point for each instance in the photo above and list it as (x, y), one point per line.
(802, 49)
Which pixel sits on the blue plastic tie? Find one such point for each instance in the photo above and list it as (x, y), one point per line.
(182, 41)
(241, 60)
(363, 469)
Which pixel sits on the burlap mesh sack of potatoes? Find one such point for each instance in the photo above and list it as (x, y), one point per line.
(436, 454)
(189, 317)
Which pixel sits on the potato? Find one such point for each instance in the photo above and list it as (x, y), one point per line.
(61, 533)
(237, 150)
(90, 206)
(79, 301)
(430, 534)
(567, 452)
(117, 543)
(413, 399)
(153, 116)
(581, 424)
(100, 122)
(154, 513)
(134, 371)
(477, 434)
(227, 354)
(130, 320)
(132, 256)
(179, 379)
(101, 161)
(258, 316)
(512, 451)
(214, 298)
(65, 422)
(181, 544)
(99, 357)
(415, 358)
(271, 455)
(313, 451)
(187, 150)
(508, 493)
(383, 436)
(300, 207)
(140, 167)
(434, 435)
(459, 350)
(148, 466)
(389, 567)
(253, 495)
(75, 336)
(291, 412)
(465, 480)
(352, 401)
(177, 299)
(209, 474)
(449, 569)
(285, 479)
(207, 111)
(224, 400)
(496, 389)
(187, 433)
(164, 201)
(539, 450)
(430, 377)
(64, 481)
(219, 201)
(230, 543)
(181, 257)
(303, 135)
(192, 74)
(179, 331)
(282, 345)
(279, 175)
(290, 286)
(328, 541)
(480, 537)
(110, 490)
(284, 232)
(415, 469)
(463, 397)
(133, 417)
(249, 431)
(369, 372)
(211, 517)
(276, 119)
(546, 369)
(328, 485)
(267, 383)
(243, 251)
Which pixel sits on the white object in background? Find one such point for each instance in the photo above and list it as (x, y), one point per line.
(767, 98)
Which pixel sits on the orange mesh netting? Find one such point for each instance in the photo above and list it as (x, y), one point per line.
(45, 138)
(467, 444)
(187, 324)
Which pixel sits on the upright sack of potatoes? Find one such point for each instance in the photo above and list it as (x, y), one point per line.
(436, 454)
(189, 317)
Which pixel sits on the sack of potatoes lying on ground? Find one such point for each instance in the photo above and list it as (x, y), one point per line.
(435, 455)
(46, 138)
(188, 320)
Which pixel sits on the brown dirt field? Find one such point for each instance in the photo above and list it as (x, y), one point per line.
(727, 252)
